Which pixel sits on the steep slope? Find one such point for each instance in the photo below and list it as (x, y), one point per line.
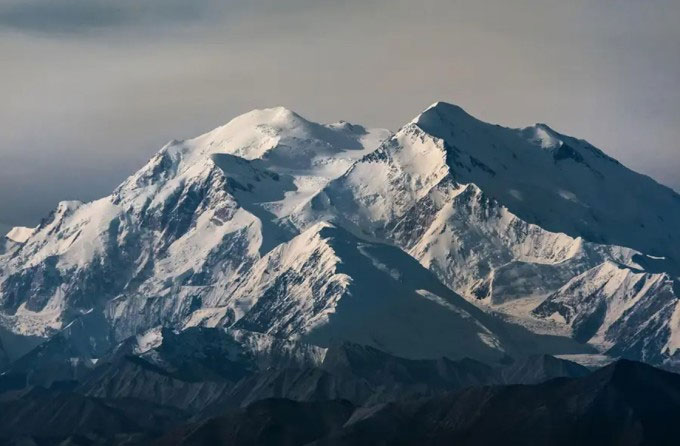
(458, 195)
(196, 214)
(629, 312)
(227, 229)
(408, 192)
(326, 286)
(543, 176)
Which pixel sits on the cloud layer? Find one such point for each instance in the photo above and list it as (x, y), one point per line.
(81, 16)
(91, 88)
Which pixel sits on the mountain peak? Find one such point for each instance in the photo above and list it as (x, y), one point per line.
(261, 126)
(443, 114)
(274, 116)
(543, 136)
(221, 229)
(257, 133)
(446, 107)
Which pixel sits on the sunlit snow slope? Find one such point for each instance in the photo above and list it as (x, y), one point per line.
(423, 243)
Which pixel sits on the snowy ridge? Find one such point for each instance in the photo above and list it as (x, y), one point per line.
(407, 193)
(164, 346)
(627, 311)
(326, 286)
(435, 193)
(412, 242)
(604, 201)
(194, 215)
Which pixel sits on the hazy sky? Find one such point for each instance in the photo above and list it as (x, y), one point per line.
(90, 89)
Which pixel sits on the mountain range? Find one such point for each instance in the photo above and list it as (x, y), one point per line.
(237, 265)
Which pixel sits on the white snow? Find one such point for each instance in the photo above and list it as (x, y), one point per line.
(148, 340)
(310, 231)
(20, 234)
(545, 137)
(674, 339)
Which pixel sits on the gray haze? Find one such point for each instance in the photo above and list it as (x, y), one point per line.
(90, 89)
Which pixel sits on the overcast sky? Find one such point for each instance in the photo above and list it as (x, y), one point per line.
(90, 89)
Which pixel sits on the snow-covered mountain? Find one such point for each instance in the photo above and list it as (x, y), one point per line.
(479, 205)
(327, 286)
(450, 237)
(195, 215)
